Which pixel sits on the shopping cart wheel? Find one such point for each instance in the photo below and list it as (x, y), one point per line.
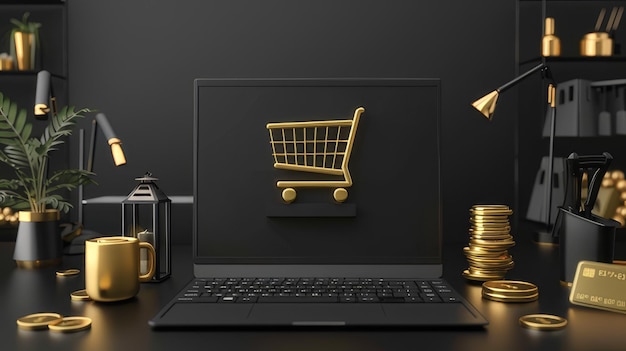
(340, 194)
(289, 194)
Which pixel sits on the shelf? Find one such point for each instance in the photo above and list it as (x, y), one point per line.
(33, 2)
(176, 199)
(27, 74)
(575, 59)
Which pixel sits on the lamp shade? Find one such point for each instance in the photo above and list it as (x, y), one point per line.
(112, 139)
(487, 104)
(42, 94)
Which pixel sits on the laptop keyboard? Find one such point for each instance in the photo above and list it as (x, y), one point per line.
(327, 290)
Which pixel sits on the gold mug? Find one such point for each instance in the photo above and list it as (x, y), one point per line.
(112, 267)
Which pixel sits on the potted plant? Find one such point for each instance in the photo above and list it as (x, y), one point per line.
(24, 42)
(34, 188)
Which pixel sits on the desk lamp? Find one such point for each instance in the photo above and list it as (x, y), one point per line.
(487, 105)
(116, 151)
(45, 101)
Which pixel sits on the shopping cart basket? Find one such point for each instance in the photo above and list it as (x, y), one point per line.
(315, 146)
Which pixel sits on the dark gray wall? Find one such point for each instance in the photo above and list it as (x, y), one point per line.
(136, 61)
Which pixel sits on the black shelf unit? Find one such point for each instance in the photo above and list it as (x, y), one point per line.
(573, 19)
(19, 86)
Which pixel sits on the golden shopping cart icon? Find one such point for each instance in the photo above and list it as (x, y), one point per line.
(314, 146)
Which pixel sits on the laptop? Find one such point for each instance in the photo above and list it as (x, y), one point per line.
(317, 204)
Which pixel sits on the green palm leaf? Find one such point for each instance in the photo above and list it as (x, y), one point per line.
(28, 157)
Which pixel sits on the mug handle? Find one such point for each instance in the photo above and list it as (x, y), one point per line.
(151, 261)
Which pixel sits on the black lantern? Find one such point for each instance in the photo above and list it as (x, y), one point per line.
(146, 215)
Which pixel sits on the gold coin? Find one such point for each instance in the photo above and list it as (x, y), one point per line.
(479, 251)
(491, 236)
(67, 272)
(503, 242)
(38, 320)
(71, 324)
(80, 295)
(489, 206)
(543, 322)
(492, 219)
(492, 211)
(482, 274)
(487, 272)
(482, 248)
(488, 218)
(487, 261)
(489, 231)
(510, 286)
(467, 275)
(505, 298)
(490, 262)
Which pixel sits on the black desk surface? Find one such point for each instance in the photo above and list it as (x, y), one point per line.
(123, 326)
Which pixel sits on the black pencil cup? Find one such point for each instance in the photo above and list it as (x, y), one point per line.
(584, 239)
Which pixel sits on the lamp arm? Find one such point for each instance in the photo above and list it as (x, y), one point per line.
(541, 66)
(92, 145)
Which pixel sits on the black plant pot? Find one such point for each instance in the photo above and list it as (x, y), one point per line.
(38, 243)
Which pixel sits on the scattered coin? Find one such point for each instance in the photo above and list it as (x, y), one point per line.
(67, 272)
(543, 322)
(510, 291)
(510, 287)
(71, 324)
(80, 295)
(38, 320)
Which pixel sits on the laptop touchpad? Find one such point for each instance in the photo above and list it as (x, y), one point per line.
(316, 313)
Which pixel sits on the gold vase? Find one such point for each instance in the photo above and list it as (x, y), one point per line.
(38, 243)
(24, 50)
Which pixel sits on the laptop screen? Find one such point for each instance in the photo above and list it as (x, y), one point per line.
(317, 171)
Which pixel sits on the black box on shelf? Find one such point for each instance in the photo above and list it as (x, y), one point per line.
(576, 106)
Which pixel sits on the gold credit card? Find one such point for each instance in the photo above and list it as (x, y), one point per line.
(600, 285)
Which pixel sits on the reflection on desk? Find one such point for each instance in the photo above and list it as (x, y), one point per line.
(124, 325)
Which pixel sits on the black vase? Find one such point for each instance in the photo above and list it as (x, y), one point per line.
(38, 243)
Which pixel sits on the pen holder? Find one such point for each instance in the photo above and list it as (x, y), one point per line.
(584, 239)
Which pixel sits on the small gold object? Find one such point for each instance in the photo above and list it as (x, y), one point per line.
(6, 62)
(38, 320)
(599, 285)
(80, 295)
(490, 238)
(315, 146)
(600, 43)
(543, 322)
(71, 324)
(67, 272)
(550, 43)
(596, 44)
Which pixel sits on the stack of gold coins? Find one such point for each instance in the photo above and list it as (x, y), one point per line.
(510, 291)
(490, 239)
